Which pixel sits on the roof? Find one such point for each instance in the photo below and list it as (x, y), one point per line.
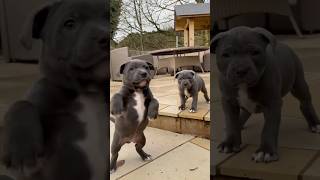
(192, 9)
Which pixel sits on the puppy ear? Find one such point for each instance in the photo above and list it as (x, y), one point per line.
(215, 40)
(193, 74)
(122, 67)
(177, 75)
(34, 24)
(150, 66)
(268, 36)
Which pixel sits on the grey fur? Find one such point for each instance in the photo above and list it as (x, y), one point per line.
(128, 126)
(256, 71)
(58, 131)
(189, 84)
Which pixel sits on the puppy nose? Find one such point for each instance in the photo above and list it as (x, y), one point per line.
(185, 84)
(242, 72)
(144, 74)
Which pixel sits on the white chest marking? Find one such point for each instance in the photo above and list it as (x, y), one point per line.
(244, 100)
(93, 116)
(139, 107)
(186, 92)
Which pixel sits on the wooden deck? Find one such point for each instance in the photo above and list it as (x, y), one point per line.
(165, 90)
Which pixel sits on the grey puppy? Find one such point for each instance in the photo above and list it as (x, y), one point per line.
(131, 109)
(189, 84)
(256, 71)
(58, 131)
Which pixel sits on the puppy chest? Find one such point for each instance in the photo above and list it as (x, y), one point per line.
(187, 93)
(245, 102)
(92, 115)
(139, 105)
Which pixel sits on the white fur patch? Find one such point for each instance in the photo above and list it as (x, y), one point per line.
(139, 107)
(92, 114)
(186, 92)
(244, 100)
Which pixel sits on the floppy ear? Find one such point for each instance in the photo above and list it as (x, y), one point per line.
(193, 74)
(122, 67)
(34, 24)
(177, 75)
(215, 40)
(268, 36)
(150, 66)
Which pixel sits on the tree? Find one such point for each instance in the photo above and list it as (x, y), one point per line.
(115, 10)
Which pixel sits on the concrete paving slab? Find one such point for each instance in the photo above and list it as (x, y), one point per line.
(291, 163)
(201, 112)
(171, 111)
(207, 116)
(187, 162)
(158, 143)
(312, 172)
(205, 143)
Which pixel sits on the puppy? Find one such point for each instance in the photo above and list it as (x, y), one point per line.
(131, 109)
(58, 131)
(189, 84)
(256, 71)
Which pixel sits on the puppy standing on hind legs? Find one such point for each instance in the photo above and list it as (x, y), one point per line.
(189, 84)
(131, 109)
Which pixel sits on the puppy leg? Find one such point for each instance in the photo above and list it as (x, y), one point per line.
(140, 142)
(115, 148)
(301, 92)
(23, 138)
(183, 100)
(232, 140)
(194, 103)
(244, 116)
(153, 109)
(205, 93)
(267, 151)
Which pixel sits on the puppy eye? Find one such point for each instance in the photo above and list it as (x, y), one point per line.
(130, 69)
(70, 23)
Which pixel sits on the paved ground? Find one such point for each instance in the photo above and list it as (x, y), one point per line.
(299, 149)
(175, 156)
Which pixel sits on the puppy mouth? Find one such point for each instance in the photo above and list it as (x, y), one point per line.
(141, 84)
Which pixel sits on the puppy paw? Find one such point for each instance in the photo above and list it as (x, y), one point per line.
(227, 147)
(264, 156)
(208, 102)
(148, 157)
(315, 129)
(182, 107)
(116, 110)
(24, 156)
(152, 115)
(192, 110)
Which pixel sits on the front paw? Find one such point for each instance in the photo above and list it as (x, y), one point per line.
(152, 115)
(23, 155)
(117, 109)
(182, 107)
(228, 147)
(193, 110)
(263, 155)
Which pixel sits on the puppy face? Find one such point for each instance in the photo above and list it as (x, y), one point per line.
(136, 73)
(241, 55)
(74, 35)
(185, 79)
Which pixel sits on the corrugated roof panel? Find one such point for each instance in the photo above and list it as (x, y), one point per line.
(192, 9)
